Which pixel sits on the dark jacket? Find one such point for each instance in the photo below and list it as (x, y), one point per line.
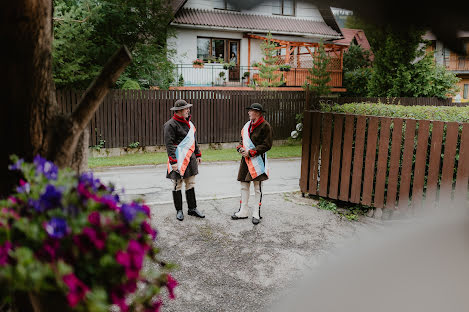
(261, 135)
(175, 130)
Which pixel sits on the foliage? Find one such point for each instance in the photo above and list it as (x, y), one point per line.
(198, 62)
(88, 32)
(356, 57)
(318, 76)
(134, 145)
(267, 69)
(181, 81)
(356, 82)
(130, 85)
(72, 235)
(442, 113)
(350, 214)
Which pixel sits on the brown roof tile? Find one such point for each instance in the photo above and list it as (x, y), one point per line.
(244, 21)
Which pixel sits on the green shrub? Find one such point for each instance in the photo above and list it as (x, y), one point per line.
(442, 113)
(130, 85)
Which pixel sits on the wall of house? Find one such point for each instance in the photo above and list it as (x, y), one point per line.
(304, 9)
(464, 81)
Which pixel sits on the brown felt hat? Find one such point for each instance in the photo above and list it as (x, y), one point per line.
(180, 104)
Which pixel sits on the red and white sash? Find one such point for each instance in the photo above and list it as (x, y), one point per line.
(255, 164)
(184, 151)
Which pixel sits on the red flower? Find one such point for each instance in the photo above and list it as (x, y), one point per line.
(132, 260)
(77, 289)
(148, 229)
(94, 218)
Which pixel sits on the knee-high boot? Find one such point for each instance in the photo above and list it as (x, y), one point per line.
(192, 204)
(177, 199)
(243, 211)
(256, 213)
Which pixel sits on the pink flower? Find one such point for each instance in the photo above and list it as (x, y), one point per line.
(171, 284)
(119, 293)
(4, 250)
(149, 230)
(77, 289)
(50, 249)
(155, 306)
(13, 200)
(94, 218)
(97, 238)
(132, 260)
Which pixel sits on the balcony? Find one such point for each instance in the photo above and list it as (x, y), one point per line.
(457, 63)
(215, 75)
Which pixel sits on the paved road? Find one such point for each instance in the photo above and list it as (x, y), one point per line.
(215, 180)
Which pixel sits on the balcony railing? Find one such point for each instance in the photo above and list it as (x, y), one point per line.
(457, 63)
(216, 75)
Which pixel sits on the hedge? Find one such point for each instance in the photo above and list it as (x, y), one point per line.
(442, 113)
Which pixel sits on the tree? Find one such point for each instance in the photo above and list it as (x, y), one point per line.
(267, 69)
(318, 75)
(30, 121)
(357, 71)
(86, 33)
(401, 68)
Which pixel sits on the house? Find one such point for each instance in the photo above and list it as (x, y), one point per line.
(458, 64)
(228, 41)
(356, 37)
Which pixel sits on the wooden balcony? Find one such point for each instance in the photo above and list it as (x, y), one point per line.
(457, 63)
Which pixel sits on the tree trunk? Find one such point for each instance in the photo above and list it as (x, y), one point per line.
(29, 120)
(28, 95)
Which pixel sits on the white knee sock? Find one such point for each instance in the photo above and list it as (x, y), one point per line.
(244, 207)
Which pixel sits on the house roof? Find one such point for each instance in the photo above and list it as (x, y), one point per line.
(357, 34)
(252, 22)
(176, 5)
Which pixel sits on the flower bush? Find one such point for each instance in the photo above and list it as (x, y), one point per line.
(198, 62)
(71, 235)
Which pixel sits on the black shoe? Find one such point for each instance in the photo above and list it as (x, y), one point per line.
(194, 212)
(235, 217)
(180, 215)
(255, 221)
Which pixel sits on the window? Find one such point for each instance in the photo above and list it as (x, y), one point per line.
(216, 49)
(283, 7)
(225, 5)
(465, 94)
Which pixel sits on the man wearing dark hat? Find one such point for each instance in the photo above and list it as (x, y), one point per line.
(256, 140)
(184, 157)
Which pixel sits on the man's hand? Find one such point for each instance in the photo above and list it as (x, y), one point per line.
(174, 167)
(245, 153)
(199, 160)
(241, 150)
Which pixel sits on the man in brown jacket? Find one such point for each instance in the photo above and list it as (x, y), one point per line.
(256, 140)
(184, 156)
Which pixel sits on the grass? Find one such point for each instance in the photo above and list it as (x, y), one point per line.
(284, 151)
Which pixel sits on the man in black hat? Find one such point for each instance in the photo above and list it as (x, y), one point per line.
(256, 140)
(184, 156)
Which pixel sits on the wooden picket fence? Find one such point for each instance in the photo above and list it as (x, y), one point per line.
(128, 116)
(384, 162)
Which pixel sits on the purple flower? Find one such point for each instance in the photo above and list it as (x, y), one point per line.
(56, 227)
(109, 200)
(45, 167)
(24, 187)
(129, 211)
(4, 253)
(17, 165)
(35, 204)
(51, 198)
(88, 179)
(77, 289)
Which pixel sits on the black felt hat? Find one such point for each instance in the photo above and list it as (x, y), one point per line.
(257, 107)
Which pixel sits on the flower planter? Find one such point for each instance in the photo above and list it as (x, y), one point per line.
(198, 66)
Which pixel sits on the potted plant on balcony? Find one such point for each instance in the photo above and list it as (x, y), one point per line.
(222, 77)
(285, 67)
(68, 243)
(198, 63)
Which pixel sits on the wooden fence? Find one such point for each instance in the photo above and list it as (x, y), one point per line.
(383, 162)
(128, 116)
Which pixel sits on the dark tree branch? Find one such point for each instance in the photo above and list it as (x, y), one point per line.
(67, 131)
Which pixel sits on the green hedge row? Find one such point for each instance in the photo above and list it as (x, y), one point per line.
(442, 113)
